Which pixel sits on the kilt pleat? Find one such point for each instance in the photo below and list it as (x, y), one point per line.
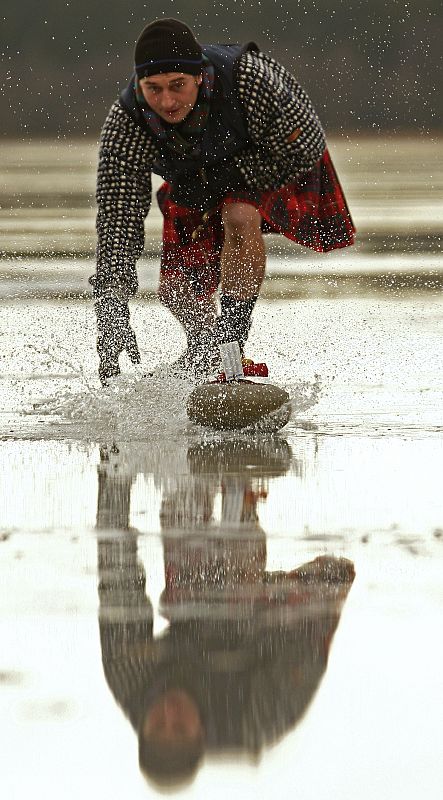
(311, 211)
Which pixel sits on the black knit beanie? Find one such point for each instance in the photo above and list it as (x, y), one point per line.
(167, 45)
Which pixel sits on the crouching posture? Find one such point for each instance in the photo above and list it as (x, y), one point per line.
(242, 153)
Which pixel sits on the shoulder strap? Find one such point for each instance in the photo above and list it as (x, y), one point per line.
(225, 58)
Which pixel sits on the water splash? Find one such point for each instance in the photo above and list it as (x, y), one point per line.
(138, 407)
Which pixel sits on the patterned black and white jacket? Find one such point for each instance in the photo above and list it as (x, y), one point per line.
(275, 106)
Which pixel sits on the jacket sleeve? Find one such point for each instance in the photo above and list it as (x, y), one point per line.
(123, 197)
(287, 138)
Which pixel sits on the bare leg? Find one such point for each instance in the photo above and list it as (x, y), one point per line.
(243, 257)
(242, 270)
(177, 294)
(243, 262)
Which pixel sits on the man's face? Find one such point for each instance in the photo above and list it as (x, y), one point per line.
(171, 95)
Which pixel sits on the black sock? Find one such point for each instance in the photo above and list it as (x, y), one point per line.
(235, 319)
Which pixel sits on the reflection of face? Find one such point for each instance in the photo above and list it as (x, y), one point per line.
(174, 719)
(171, 95)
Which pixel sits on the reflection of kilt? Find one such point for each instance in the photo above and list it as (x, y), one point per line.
(311, 211)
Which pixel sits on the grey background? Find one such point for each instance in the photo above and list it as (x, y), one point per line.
(368, 67)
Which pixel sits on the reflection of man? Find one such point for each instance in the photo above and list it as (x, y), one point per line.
(245, 649)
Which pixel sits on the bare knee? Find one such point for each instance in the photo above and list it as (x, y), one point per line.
(241, 222)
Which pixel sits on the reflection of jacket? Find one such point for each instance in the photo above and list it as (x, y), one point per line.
(274, 107)
(252, 675)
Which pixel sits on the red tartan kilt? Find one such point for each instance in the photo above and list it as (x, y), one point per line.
(311, 211)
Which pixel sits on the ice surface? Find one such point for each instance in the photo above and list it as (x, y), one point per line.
(103, 487)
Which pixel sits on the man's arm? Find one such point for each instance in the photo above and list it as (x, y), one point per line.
(287, 135)
(123, 198)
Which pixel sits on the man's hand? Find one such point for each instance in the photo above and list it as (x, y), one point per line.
(114, 335)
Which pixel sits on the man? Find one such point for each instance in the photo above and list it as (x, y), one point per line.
(242, 152)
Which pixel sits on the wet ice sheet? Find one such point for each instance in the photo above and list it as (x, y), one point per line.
(48, 193)
(87, 475)
(382, 490)
(376, 710)
(91, 478)
(360, 365)
(343, 272)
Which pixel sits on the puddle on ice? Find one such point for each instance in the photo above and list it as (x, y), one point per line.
(137, 408)
(215, 578)
(367, 366)
(50, 390)
(148, 564)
